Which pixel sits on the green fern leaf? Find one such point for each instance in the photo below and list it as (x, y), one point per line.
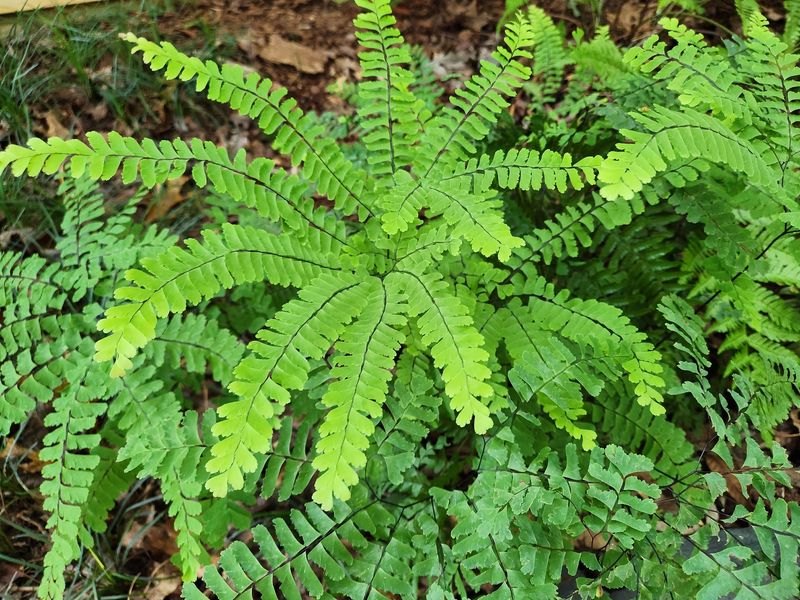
(455, 345)
(180, 277)
(362, 371)
(278, 361)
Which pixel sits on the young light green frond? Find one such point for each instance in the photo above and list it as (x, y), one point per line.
(456, 347)
(474, 215)
(297, 135)
(388, 107)
(670, 135)
(70, 468)
(452, 135)
(362, 370)
(278, 361)
(186, 276)
(701, 76)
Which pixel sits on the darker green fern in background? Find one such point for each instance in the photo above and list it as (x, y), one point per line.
(466, 358)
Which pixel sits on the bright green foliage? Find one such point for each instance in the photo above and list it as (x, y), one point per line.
(440, 366)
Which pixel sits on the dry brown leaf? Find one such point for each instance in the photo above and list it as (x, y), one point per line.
(302, 58)
(716, 464)
(23, 233)
(165, 581)
(54, 126)
(590, 540)
(158, 539)
(171, 197)
(30, 462)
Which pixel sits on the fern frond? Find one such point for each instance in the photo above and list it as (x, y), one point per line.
(476, 106)
(278, 361)
(451, 136)
(32, 374)
(556, 378)
(388, 107)
(672, 135)
(411, 411)
(287, 467)
(549, 55)
(273, 192)
(362, 370)
(524, 169)
(474, 215)
(775, 80)
(602, 326)
(173, 455)
(193, 342)
(70, 471)
(617, 416)
(293, 133)
(791, 29)
(187, 276)
(701, 76)
(455, 345)
(306, 538)
(110, 481)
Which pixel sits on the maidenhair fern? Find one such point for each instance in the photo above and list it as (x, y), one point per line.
(473, 368)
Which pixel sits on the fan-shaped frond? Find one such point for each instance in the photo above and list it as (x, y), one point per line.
(293, 133)
(187, 276)
(362, 369)
(278, 361)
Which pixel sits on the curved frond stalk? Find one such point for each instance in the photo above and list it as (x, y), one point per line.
(182, 277)
(278, 361)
